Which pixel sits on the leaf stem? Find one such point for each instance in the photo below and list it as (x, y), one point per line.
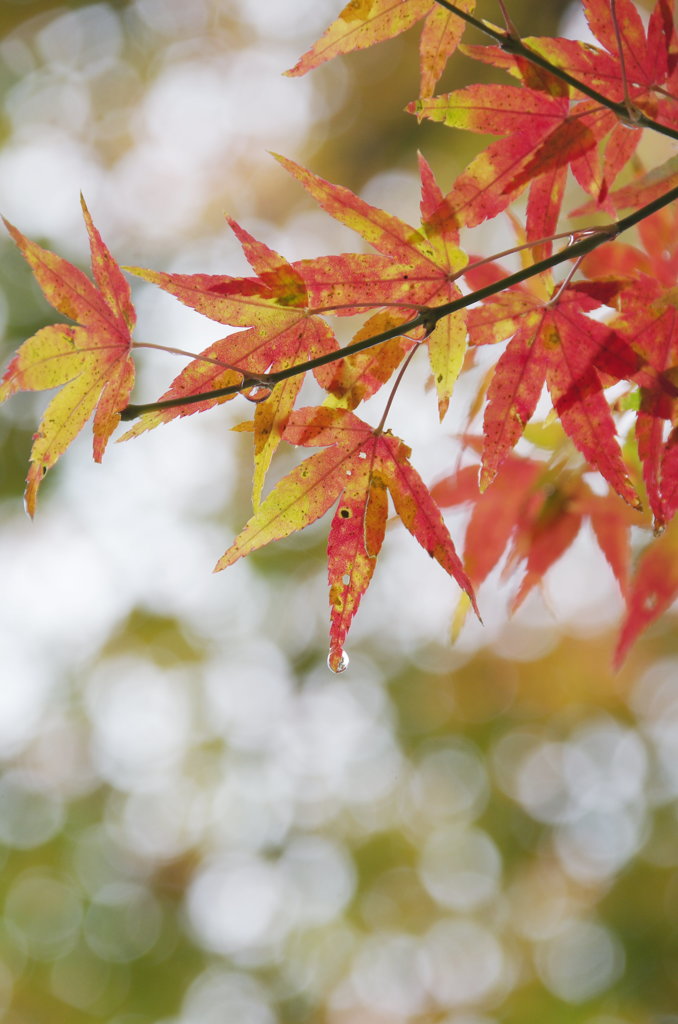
(573, 235)
(553, 301)
(190, 355)
(517, 47)
(396, 385)
(510, 27)
(313, 311)
(428, 318)
(631, 109)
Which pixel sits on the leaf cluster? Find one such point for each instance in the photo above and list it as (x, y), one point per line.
(599, 335)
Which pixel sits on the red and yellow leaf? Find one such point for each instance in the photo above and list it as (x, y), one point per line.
(357, 467)
(420, 268)
(352, 380)
(364, 23)
(355, 539)
(90, 362)
(274, 306)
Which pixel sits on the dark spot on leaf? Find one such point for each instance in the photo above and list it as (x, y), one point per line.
(345, 513)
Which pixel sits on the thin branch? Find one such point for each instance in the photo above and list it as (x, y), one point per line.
(428, 319)
(572, 235)
(517, 47)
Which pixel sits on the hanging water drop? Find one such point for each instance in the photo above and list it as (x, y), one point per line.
(337, 660)
(258, 393)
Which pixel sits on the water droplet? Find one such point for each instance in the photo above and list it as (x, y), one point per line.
(259, 393)
(362, 455)
(337, 660)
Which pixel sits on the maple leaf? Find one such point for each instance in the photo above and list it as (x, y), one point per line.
(641, 74)
(648, 327)
(541, 138)
(552, 341)
(646, 76)
(413, 268)
(363, 23)
(356, 467)
(90, 362)
(653, 589)
(649, 59)
(644, 189)
(534, 512)
(274, 308)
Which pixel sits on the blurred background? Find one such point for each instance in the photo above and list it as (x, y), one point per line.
(199, 823)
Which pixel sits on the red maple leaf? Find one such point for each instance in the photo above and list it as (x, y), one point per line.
(541, 140)
(647, 62)
(356, 467)
(648, 327)
(413, 268)
(648, 70)
(552, 341)
(653, 589)
(532, 513)
(274, 308)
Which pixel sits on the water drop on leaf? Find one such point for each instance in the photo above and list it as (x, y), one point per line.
(337, 660)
